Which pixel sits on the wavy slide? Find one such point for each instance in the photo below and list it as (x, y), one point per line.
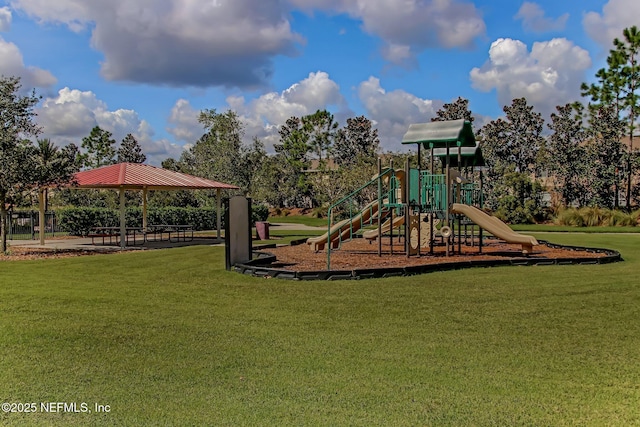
(343, 229)
(496, 227)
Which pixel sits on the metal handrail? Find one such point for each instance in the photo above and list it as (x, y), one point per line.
(375, 180)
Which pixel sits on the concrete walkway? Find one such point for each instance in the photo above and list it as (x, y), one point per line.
(85, 243)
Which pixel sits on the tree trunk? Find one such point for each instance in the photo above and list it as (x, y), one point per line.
(3, 227)
(41, 211)
(629, 168)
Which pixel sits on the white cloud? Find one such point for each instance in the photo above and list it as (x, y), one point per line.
(393, 112)
(12, 64)
(399, 55)
(415, 24)
(183, 121)
(315, 92)
(5, 19)
(178, 42)
(616, 16)
(232, 43)
(547, 76)
(70, 116)
(75, 14)
(533, 19)
(265, 114)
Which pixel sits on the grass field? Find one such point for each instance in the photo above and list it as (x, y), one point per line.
(170, 338)
(299, 219)
(548, 228)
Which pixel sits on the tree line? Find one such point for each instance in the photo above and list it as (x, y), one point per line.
(584, 155)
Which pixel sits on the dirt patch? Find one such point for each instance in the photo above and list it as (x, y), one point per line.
(360, 254)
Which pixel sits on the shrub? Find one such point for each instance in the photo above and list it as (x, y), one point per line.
(320, 212)
(259, 213)
(596, 217)
(519, 199)
(78, 221)
(569, 217)
(621, 219)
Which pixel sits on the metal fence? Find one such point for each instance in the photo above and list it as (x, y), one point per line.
(25, 225)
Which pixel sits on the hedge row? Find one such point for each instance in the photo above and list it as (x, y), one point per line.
(78, 221)
(595, 217)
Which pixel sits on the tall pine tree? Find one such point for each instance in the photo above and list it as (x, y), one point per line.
(130, 151)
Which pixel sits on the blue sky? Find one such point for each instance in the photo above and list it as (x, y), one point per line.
(147, 67)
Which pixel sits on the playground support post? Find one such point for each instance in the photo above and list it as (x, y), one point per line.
(459, 236)
(419, 200)
(379, 207)
(447, 200)
(405, 201)
(392, 189)
(431, 231)
(433, 171)
(481, 205)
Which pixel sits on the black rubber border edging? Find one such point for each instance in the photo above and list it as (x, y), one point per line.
(259, 266)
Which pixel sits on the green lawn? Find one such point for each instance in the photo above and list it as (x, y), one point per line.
(299, 219)
(170, 338)
(286, 236)
(567, 228)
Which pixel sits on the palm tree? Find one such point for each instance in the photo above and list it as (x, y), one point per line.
(52, 167)
(47, 155)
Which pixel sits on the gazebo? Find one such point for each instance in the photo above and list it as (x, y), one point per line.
(136, 176)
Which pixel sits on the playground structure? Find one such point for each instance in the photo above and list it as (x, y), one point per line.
(422, 204)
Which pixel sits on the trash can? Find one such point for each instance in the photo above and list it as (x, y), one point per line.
(262, 229)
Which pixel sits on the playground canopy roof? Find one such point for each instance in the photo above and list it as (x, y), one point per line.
(470, 156)
(136, 176)
(441, 134)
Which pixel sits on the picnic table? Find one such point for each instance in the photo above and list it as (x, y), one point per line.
(113, 234)
(174, 232)
(138, 235)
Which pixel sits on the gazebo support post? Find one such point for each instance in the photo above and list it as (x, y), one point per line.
(218, 213)
(41, 214)
(123, 229)
(144, 211)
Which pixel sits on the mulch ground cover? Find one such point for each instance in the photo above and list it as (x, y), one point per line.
(360, 253)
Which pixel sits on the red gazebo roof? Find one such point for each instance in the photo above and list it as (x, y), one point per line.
(141, 176)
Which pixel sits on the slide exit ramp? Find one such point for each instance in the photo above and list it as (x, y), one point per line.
(496, 227)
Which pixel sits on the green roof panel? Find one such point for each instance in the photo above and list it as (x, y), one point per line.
(440, 134)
